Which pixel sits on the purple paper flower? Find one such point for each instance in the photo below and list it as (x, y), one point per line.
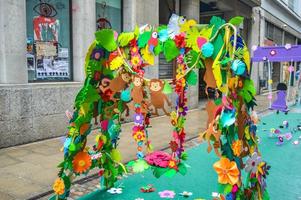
(97, 54)
(167, 194)
(138, 118)
(252, 163)
(182, 109)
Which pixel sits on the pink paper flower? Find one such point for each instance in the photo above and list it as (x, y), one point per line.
(167, 194)
(158, 158)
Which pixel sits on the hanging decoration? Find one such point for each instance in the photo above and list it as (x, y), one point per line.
(115, 83)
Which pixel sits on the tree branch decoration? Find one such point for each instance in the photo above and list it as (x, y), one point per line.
(115, 83)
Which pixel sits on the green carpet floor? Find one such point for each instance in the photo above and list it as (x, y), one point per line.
(284, 181)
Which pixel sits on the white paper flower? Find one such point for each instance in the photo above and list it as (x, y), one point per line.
(186, 194)
(252, 163)
(215, 194)
(115, 191)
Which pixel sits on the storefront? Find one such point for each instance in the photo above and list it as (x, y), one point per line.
(49, 36)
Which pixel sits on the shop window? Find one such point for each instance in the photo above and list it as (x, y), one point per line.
(48, 40)
(109, 14)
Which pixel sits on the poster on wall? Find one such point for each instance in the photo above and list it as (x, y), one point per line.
(46, 28)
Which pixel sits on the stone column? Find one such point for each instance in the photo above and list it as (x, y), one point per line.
(13, 67)
(191, 9)
(140, 12)
(83, 29)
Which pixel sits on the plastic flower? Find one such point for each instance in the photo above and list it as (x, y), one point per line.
(115, 191)
(167, 194)
(139, 136)
(158, 158)
(237, 147)
(252, 163)
(81, 162)
(59, 186)
(138, 118)
(227, 171)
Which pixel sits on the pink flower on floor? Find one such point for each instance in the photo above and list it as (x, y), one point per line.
(158, 158)
(167, 194)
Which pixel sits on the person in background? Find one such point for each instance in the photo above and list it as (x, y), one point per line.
(286, 74)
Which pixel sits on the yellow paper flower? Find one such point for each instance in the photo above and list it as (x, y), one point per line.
(116, 63)
(147, 56)
(59, 186)
(139, 136)
(237, 147)
(81, 162)
(135, 60)
(227, 171)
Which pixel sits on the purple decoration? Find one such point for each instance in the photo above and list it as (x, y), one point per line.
(280, 102)
(282, 53)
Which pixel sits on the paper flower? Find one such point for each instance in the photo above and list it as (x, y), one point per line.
(227, 171)
(116, 63)
(138, 118)
(59, 186)
(167, 194)
(115, 191)
(173, 164)
(180, 40)
(158, 158)
(147, 189)
(173, 146)
(186, 194)
(97, 54)
(139, 136)
(81, 162)
(182, 109)
(252, 163)
(237, 147)
(136, 60)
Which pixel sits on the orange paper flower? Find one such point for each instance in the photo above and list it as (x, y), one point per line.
(59, 186)
(173, 164)
(139, 136)
(237, 147)
(227, 171)
(81, 162)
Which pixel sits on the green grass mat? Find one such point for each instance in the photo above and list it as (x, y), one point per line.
(284, 181)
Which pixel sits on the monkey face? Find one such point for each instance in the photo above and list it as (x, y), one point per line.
(155, 86)
(137, 81)
(126, 77)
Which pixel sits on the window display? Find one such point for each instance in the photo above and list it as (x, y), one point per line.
(48, 40)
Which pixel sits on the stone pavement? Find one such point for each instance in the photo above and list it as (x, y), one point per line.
(28, 170)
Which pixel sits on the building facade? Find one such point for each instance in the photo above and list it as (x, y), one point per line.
(278, 22)
(42, 52)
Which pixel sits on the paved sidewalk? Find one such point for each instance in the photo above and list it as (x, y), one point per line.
(29, 170)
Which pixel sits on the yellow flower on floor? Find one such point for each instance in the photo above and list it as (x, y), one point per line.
(59, 186)
(237, 147)
(81, 162)
(227, 171)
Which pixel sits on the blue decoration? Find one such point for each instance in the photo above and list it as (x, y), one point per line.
(227, 117)
(207, 49)
(125, 95)
(163, 35)
(140, 154)
(239, 67)
(239, 42)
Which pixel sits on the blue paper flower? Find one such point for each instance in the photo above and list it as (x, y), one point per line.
(140, 154)
(238, 67)
(207, 49)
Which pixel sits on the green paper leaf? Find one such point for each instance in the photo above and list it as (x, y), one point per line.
(143, 38)
(159, 171)
(218, 42)
(158, 49)
(227, 189)
(182, 169)
(184, 156)
(191, 58)
(170, 50)
(105, 38)
(116, 155)
(125, 38)
(266, 195)
(167, 88)
(170, 173)
(236, 21)
(139, 165)
(192, 78)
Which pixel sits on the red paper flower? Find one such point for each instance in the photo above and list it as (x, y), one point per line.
(173, 146)
(180, 40)
(158, 158)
